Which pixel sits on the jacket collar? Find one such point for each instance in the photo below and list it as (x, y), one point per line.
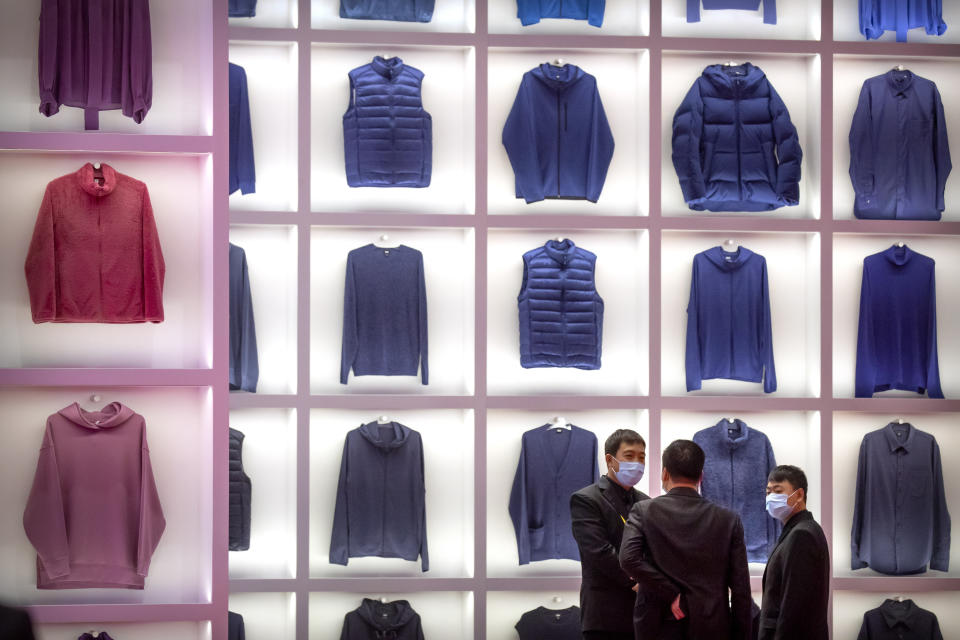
(735, 439)
(562, 251)
(728, 260)
(85, 177)
(894, 442)
(797, 518)
(685, 492)
(746, 75)
(558, 78)
(112, 415)
(898, 82)
(899, 255)
(894, 612)
(387, 67)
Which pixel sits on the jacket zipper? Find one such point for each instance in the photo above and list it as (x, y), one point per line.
(736, 123)
(731, 324)
(559, 132)
(383, 501)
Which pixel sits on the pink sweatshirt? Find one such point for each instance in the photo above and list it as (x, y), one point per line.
(93, 514)
(95, 254)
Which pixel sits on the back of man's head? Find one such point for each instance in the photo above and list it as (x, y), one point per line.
(683, 460)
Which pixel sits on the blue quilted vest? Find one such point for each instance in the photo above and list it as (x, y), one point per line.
(561, 313)
(387, 134)
(240, 494)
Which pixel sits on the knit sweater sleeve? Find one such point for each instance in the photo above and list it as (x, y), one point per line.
(789, 153)
(154, 268)
(424, 554)
(693, 10)
(600, 151)
(934, 390)
(140, 63)
(766, 337)
(41, 267)
(152, 522)
(249, 360)
(339, 538)
(770, 11)
(47, 57)
(350, 340)
(518, 507)
(521, 144)
(694, 380)
(866, 360)
(246, 168)
(687, 132)
(422, 321)
(43, 518)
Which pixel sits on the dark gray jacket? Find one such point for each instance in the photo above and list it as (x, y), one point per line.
(240, 494)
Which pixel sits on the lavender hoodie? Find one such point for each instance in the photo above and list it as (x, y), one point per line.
(93, 514)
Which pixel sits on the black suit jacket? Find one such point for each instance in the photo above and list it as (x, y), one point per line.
(680, 543)
(796, 583)
(15, 624)
(597, 513)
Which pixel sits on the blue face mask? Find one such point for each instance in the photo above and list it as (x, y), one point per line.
(777, 506)
(629, 473)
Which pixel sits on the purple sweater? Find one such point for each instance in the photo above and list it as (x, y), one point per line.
(95, 58)
(93, 514)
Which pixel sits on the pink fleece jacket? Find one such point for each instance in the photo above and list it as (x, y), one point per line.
(95, 254)
(94, 514)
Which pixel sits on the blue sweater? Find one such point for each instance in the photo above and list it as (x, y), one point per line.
(729, 334)
(738, 460)
(554, 463)
(244, 365)
(395, 10)
(557, 135)
(381, 508)
(899, 154)
(242, 174)
(530, 11)
(384, 314)
(769, 8)
(897, 335)
(877, 16)
(242, 8)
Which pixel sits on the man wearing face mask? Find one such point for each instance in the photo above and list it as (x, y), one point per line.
(796, 581)
(598, 513)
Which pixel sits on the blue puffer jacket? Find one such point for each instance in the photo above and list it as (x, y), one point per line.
(396, 10)
(734, 147)
(561, 313)
(387, 134)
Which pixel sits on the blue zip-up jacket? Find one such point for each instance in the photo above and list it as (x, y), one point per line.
(561, 313)
(734, 146)
(242, 8)
(530, 11)
(729, 334)
(395, 10)
(244, 364)
(381, 496)
(899, 154)
(769, 8)
(738, 460)
(242, 172)
(557, 135)
(897, 334)
(554, 464)
(877, 16)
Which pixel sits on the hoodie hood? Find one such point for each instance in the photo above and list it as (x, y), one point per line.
(728, 260)
(386, 617)
(725, 76)
(112, 415)
(391, 435)
(558, 78)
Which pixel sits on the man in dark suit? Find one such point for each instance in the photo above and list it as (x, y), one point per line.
(796, 582)
(688, 557)
(598, 513)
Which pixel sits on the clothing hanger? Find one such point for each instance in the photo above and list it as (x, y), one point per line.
(384, 242)
(732, 421)
(96, 166)
(559, 422)
(900, 244)
(731, 63)
(899, 67)
(559, 239)
(730, 245)
(557, 599)
(558, 62)
(383, 420)
(899, 420)
(95, 399)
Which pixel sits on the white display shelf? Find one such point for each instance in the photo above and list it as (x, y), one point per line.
(271, 252)
(623, 82)
(179, 437)
(504, 608)
(443, 614)
(849, 607)
(849, 74)
(447, 437)
(266, 615)
(120, 630)
(182, 69)
(448, 94)
(793, 275)
(179, 194)
(619, 19)
(846, 26)
(849, 250)
(622, 282)
(448, 259)
(449, 16)
(271, 69)
(269, 459)
(796, 77)
(505, 429)
(848, 432)
(796, 20)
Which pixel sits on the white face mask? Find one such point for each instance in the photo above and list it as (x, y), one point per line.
(630, 473)
(777, 505)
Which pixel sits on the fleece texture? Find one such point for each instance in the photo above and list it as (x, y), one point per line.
(94, 514)
(95, 253)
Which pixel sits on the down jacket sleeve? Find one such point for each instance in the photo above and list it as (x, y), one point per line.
(687, 132)
(789, 154)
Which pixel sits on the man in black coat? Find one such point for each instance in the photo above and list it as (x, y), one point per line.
(688, 557)
(598, 513)
(15, 624)
(796, 582)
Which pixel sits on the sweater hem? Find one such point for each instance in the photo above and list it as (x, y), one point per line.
(92, 576)
(83, 320)
(740, 378)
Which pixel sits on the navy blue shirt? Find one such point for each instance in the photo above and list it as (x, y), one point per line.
(244, 364)
(877, 16)
(899, 155)
(242, 174)
(900, 518)
(897, 334)
(899, 621)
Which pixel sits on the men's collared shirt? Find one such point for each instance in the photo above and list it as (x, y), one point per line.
(899, 155)
(900, 518)
(895, 620)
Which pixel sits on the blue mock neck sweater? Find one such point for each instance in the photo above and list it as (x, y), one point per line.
(242, 172)
(738, 460)
(769, 8)
(897, 335)
(384, 313)
(729, 334)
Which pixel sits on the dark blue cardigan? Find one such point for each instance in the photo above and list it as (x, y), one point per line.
(554, 463)
(530, 11)
(897, 335)
(242, 172)
(769, 8)
(729, 334)
(244, 364)
(395, 10)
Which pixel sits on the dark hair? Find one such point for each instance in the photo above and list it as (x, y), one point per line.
(622, 436)
(683, 460)
(789, 473)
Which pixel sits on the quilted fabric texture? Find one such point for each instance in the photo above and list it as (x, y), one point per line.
(387, 134)
(240, 490)
(561, 313)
